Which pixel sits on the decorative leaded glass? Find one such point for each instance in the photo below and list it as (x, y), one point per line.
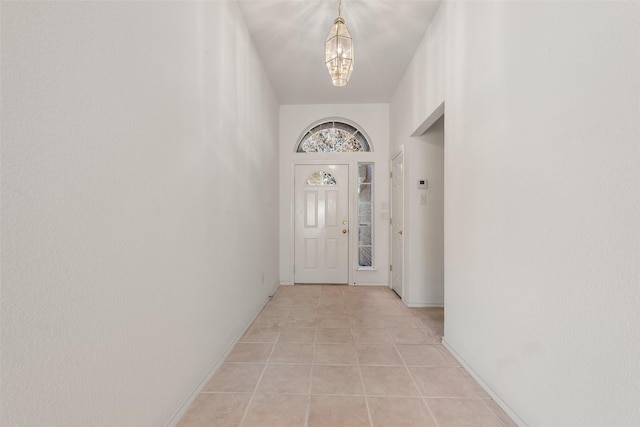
(333, 137)
(321, 178)
(365, 215)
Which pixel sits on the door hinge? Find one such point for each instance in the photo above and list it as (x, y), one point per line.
(390, 221)
(390, 267)
(390, 174)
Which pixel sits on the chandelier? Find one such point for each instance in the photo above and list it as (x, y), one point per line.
(338, 51)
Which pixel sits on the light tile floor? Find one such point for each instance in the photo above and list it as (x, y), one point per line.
(331, 355)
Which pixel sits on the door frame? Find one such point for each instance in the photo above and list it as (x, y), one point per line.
(351, 210)
(391, 236)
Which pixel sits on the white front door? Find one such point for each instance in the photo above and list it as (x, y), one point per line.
(321, 224)
(397, 223)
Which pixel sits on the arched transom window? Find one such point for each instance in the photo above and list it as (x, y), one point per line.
(333, 137)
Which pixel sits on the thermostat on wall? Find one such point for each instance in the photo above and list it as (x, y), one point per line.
(422, 184)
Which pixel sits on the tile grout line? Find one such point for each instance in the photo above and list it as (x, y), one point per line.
(415, 383)
(255, 389)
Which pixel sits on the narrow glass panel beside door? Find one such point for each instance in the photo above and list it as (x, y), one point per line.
(365, 215)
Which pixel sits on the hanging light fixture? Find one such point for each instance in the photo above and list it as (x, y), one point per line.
(338, 51)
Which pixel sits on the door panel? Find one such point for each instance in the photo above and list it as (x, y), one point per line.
(397, 223)
(321, 247)
(311, 209)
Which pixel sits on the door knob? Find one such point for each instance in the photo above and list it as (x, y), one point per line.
(400, 232)
(344, 231)
(344, 222)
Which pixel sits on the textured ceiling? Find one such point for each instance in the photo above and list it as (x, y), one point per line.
(289, 36)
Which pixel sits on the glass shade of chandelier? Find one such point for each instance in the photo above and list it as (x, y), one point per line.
(339, 51)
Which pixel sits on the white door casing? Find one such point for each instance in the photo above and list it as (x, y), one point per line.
(397, 223)
(321, 241)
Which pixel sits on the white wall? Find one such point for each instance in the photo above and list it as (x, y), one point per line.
(374, 120)
(139, 205)
(542, 199)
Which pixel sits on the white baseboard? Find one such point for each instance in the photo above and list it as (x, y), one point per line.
(370, 284)
(182, 409)
(423, 304)
(495, 396)
(286, 283)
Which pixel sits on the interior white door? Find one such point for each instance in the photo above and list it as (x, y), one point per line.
(321, 224)
(397, 223)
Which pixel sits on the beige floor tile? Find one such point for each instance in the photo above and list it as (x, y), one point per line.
(286, 379)
(302, 311)
(399, 412)
(280, 301)
(361, 310)
(313, 352)
(302, 320)
(307, 290)
(222, 410)
(423, 355)
(333, 336)
(399, 322)
(371, 336)
(331, 300)
(447, 355)
(250, 352)
(388, 381)
(270, 321)
(271, 310)
(332, 289)
(235, 377)
(445, 382)
(378, 354)
(338, 411)
(265, 335)
(433, 337)
(337, 321)
(409, 336)
(285, 291)
(499, 412)
(306, 301)
(276, 410)
(392, 309)
(341, 380)
(332, 310)
(365, 321)
(462, 412)
(285, 352)
(299, 335)
(335, 354)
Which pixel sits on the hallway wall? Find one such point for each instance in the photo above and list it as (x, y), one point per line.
(542, 199)
(139, 205)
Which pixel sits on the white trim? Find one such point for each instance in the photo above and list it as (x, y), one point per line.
(184, 406)
(370, 284)
(423, 304)
(433, 117)
(286, 283)
(494, 395)
(399, 153)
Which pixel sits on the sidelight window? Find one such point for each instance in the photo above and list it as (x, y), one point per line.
(365, 215)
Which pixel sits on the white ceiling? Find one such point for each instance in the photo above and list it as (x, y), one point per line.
(289, 36)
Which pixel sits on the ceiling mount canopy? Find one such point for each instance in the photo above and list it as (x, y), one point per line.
(338, 51)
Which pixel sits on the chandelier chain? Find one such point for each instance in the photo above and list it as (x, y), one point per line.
(339, 7)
